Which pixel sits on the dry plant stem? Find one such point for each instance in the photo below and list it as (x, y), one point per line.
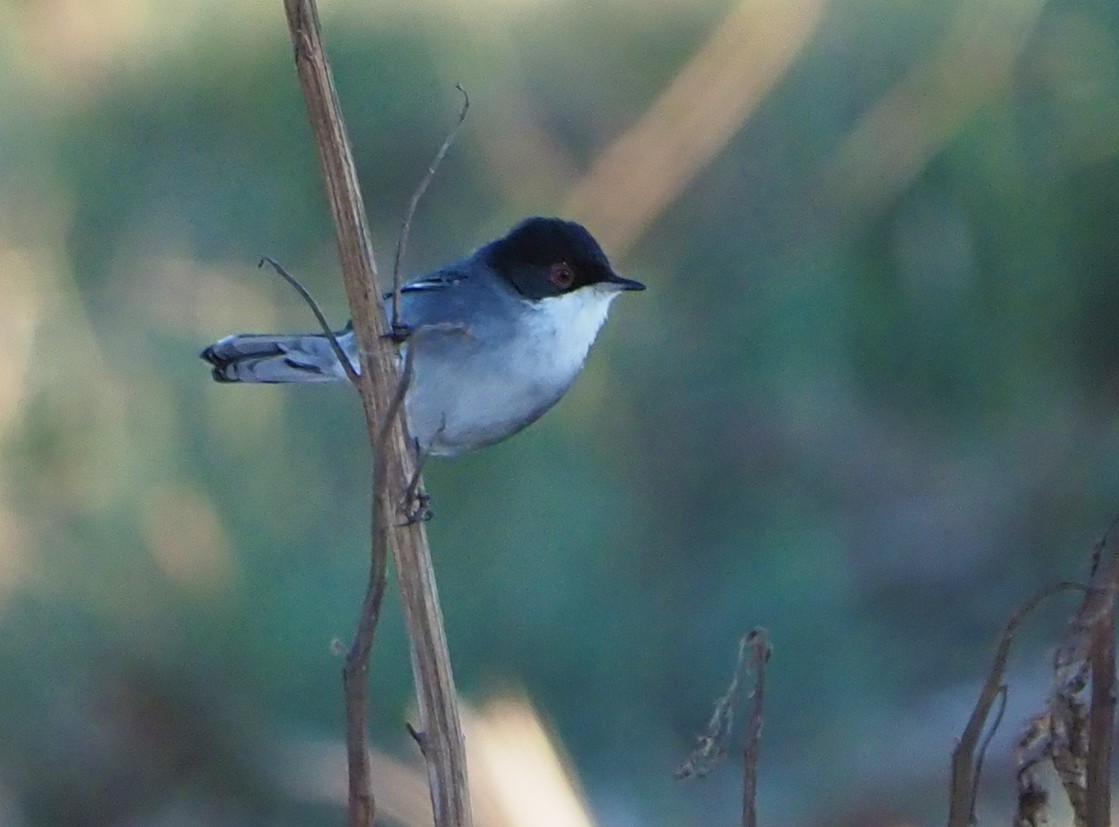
(355, 689)
(962, 791)
(1097, 618)
(406, 225)
(982, 753)
(328, 332)
(1101, 720)
(442, 742)
(711, 746)
(758, 640)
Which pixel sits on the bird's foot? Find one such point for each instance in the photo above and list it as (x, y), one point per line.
(417, 508)
(417, 502)
(399, 333)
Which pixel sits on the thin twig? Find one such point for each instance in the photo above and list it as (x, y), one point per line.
(1097, 550)
(982, 753)
(711, 746)
(355, 689)
(1101, 713)
(1074, 731)
(758, 640)
(1101, 725)
(406, 225)
(331, 336)
(962, 790)
(395, 407)
(1066, 746)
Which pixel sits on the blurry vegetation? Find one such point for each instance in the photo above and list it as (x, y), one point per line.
(869, 400)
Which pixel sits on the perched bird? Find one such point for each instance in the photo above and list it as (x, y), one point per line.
(496, 338)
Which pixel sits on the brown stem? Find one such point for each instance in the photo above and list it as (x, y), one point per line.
(758, 639)
(355, 688)
(327, 330)
(406, 224)
(443, 748)
(1101, 721)
(962, 791)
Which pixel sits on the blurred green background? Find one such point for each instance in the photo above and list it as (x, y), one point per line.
(868, 401)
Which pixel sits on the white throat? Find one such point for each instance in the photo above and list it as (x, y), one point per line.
(566, 326)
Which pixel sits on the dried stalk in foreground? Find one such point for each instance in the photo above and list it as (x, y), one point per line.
(406, 224)
(1101, 720)
(440, 732)
(1075, 731)
(965, 779)
(759, 642)
(711, 746)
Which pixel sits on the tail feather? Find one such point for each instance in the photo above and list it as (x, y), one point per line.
(265, 357)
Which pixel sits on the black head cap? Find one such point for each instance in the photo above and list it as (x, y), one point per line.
(544, 257)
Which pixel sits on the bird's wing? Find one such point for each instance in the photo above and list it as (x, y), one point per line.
(457, 296)
(439, 280)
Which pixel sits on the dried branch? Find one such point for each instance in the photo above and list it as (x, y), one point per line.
(1081, 730)
(406, 225)
(442, 742)
(1101, 722)
(962, 791)
(982, 753)
(1097, 549)
(758, 640)
(711, 746)
(1074, 732)
(355, 689)
(327, 330)
(1066, 743)
(1098, 623)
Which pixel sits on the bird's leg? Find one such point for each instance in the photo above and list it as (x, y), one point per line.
(399, 332)
(417, 503)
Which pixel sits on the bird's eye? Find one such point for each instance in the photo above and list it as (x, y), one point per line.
(561, 275)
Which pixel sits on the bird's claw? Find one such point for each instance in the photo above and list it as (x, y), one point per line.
(417, 508)
(399, 333)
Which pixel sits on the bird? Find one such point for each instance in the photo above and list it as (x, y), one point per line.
(492, 341)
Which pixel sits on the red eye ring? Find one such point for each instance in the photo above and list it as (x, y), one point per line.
(561, 275)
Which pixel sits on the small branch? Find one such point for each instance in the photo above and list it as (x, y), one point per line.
(982, 753)
(1066, 743)
(1101, 724)
(711, 746)
(1083, 730)
(962, 791)
(1097, 550)
(1074, 732)
(355, 689)
(406, 225)
(331, 336)
(1101, 713)
(758, 640)
(395, 408)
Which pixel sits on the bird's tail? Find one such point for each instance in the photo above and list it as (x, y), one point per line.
(266, 357)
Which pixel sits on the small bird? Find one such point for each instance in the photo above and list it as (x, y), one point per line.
(497, 338)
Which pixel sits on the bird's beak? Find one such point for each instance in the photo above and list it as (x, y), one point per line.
(620, 283)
